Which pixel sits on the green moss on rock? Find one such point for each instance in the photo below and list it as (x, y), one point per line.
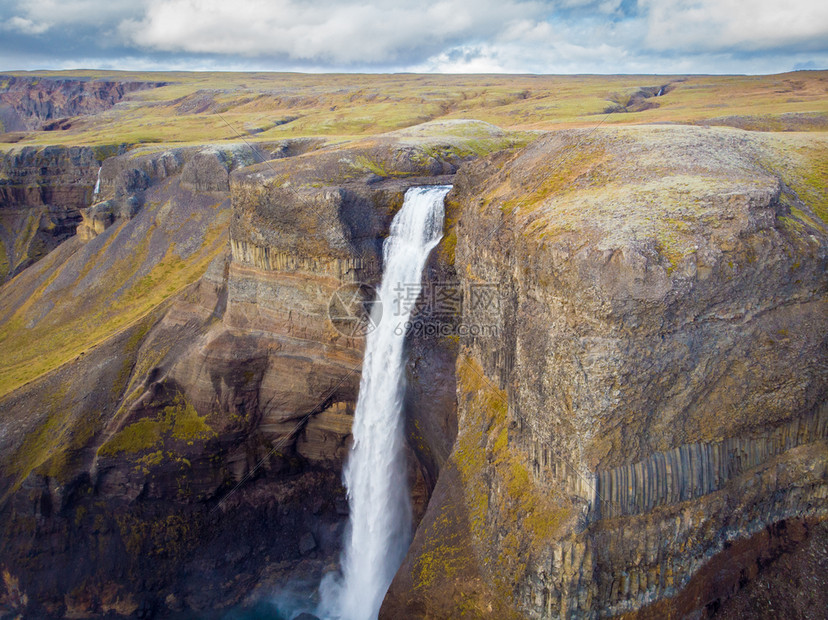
(178, 421)
(487, 459)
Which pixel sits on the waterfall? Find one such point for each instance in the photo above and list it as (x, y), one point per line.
(97, 189)
(379, 530)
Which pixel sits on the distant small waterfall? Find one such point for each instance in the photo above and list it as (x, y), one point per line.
(379, 530)
(97, 189)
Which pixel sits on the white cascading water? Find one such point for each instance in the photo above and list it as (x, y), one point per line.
(97, 189)
(379, 530)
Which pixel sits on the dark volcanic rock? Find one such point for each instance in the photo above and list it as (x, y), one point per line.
(206, 172)
(307, 543)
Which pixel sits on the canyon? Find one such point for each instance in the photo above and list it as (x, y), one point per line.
(32, 102)
(625, 415)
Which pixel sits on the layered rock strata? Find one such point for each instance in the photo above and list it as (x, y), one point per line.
(195, 456)
(124, 181)
(657, 394)
(42, 191)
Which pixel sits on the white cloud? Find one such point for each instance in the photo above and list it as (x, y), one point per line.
(529, 32)
(334, 31)
(513, 58)
(465, 59)
(42, 15)
(712, 25)
(26, 26)
(541, 36)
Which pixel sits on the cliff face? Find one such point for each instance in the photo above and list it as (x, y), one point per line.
(41, 193)
(43, 189)
(31, 102)
(47, 194)
(195, 455)
(654, 407)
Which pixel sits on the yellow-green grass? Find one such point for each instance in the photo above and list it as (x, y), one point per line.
(5, 267)
(802, 164)
(349, 105)
(34, 345)
(57, 439)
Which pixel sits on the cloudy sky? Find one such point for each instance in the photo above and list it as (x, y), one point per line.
(516, 36)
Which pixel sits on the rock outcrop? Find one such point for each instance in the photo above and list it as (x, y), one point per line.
(124, 180)
(655, 401)
(41, 193)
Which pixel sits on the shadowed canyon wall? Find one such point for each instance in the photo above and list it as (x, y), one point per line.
(41, 193)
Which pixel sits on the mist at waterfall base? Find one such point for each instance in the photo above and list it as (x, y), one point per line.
(379, 528)
(286, 603)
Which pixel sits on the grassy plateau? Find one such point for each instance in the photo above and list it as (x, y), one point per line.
(205, 107)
